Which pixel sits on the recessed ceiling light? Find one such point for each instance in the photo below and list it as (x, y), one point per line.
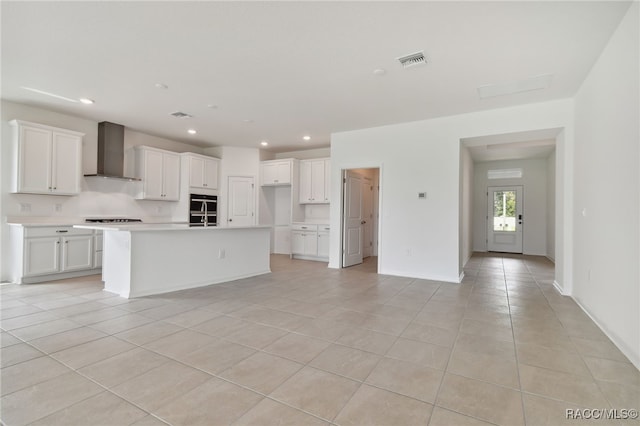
(247, 121)
(264, 143)
(86, 101)
(161, 86)
(212, 106)
(192, 131)
(306, 138)
(379, 71)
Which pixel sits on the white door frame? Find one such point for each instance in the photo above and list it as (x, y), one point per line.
(379, 220)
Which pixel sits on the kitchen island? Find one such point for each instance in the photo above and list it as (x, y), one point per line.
(145, 259)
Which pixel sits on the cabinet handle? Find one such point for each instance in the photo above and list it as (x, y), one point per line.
(304, 227)
(58, 242)
(61, 231)
(55, 187)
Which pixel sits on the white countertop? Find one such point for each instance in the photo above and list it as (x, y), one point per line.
(150, 227)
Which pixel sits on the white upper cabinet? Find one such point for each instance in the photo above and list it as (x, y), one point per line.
(313, 181)
(277, 172)
(160, 174)
(203, 171)
(48, 159)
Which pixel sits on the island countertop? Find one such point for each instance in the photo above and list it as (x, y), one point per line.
(147, 227)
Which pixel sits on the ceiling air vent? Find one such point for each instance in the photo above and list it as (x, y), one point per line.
(179, 114)
(412, 60)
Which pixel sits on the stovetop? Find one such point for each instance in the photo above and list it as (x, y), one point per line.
(112, 220)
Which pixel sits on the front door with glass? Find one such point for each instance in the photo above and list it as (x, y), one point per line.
(504, 233)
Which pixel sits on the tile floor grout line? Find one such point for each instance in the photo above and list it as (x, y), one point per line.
(515, 349)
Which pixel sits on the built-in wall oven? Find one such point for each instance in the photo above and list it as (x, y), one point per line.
(203, 210)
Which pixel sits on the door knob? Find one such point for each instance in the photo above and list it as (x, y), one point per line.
(363, 222)
(230, 220)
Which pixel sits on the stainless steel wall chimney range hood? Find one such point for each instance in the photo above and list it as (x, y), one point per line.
(111, 152)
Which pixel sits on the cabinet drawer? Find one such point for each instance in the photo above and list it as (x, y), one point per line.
(54, 231)
(304, 227)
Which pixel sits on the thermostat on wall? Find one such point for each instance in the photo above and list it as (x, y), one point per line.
(422, 195)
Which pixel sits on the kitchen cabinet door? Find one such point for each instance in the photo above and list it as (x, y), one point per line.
(210, 174)
(311, 244)
(317, 181)
(196, 172)
(66, 163)
(152, 176)
(305, 182)
(34, 163)
(297, 242)
(276, 173)
(41, 256)
(323, 244)
(77, 253)
(171, 177)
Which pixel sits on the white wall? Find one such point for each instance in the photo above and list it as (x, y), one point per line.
(534, 182)
(466, 207)
(99, 197)
(607, 189)
(551, 206)
(420, 238)
(236, 161)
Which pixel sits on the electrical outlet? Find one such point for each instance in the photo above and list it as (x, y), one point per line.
(408, 252)
(57, 207)
(25, 207)
(222, 253)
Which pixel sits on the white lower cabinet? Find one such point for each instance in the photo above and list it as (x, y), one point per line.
(53, 252)
(323, 241)
(77, 253)
(310, 241)
(41, 256)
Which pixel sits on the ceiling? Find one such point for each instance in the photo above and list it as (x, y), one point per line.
(276, 71)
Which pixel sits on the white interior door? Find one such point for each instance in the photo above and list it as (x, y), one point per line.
(241, 211)
(504, 219)
(352, 215)
(367, 217)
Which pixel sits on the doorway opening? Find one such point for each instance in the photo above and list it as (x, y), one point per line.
(510, 194)
(360, 216)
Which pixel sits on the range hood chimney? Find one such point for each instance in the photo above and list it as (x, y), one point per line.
(111, 151)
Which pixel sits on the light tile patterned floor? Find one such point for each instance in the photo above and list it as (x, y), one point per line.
(307, 345)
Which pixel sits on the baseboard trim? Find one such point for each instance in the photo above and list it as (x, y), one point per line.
(634, 358)
(461, 277)
(551, 259)
(558, 288)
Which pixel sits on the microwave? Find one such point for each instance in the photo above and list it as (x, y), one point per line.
(203, 210)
